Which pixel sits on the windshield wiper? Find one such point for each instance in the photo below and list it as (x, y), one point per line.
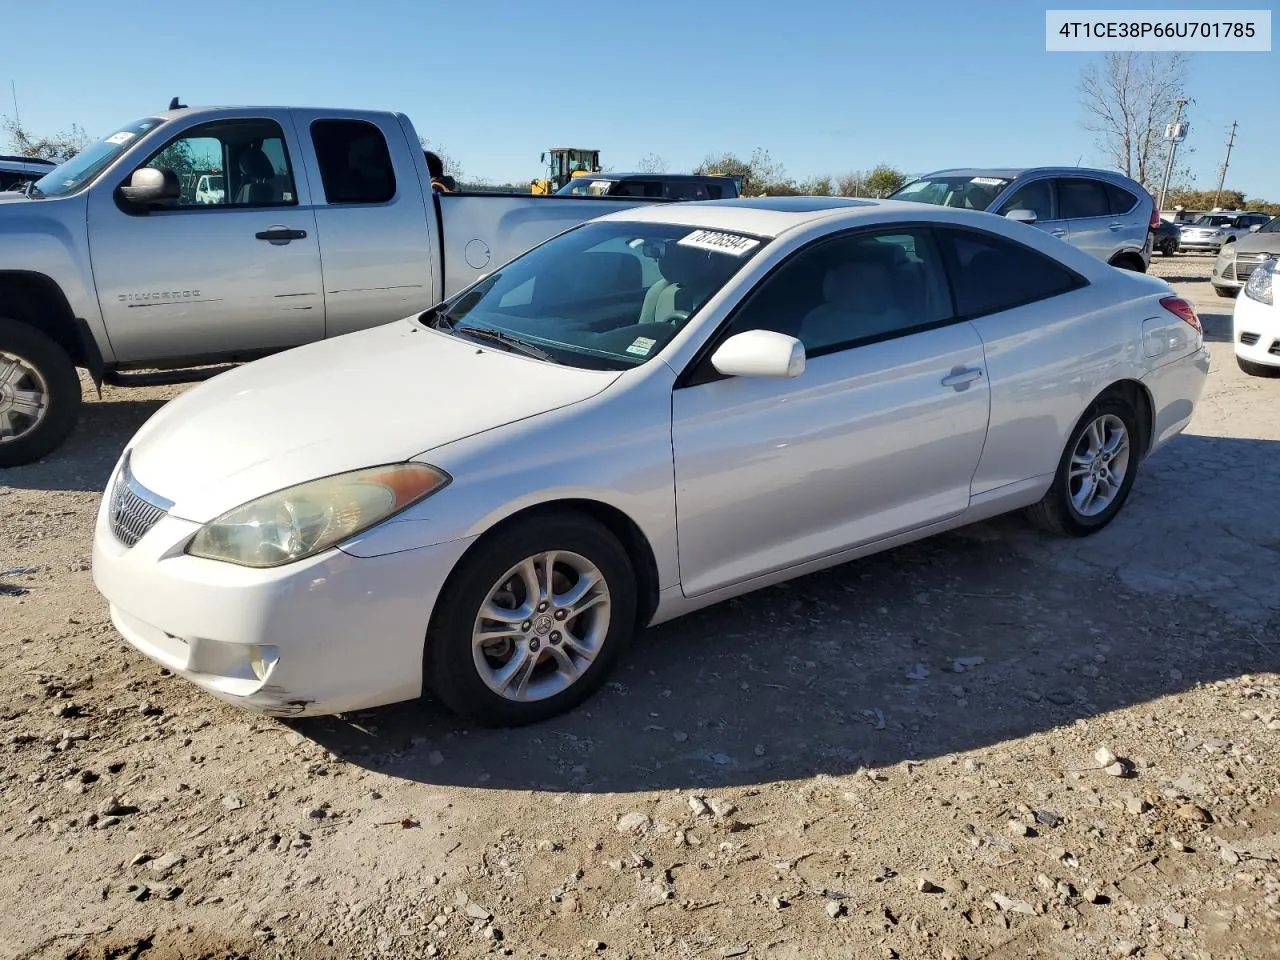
(440, 318)
(506, 339)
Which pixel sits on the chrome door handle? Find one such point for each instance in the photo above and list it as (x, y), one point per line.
(961, 377)
(1058, 232)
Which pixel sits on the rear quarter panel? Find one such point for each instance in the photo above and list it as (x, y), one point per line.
(1048, 361)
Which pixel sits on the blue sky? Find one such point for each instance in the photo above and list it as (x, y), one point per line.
(825, 86)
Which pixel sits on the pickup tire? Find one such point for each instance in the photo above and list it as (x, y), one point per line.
(33, 366)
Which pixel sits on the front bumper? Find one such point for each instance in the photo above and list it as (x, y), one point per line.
(1199, 244)
(325, 635)
(1255, 331)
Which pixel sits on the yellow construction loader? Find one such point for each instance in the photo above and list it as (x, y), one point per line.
(564, 164)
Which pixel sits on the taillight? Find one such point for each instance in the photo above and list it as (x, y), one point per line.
(1183, 311)
(1154, 223)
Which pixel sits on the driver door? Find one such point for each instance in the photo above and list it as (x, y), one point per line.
(233, 277)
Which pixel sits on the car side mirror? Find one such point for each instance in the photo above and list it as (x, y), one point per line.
(1022, 216)
(1255, 228)
(152, 187)
(760, 353)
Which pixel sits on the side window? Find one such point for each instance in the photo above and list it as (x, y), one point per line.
(1121, 200)
(1079, 199)
(246, 158)
(686, 190)
(850, 290)
(355, 164)
(989, 273)
(1036, 195)
(715, 191)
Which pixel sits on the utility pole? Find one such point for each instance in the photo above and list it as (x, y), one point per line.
(1222, 174)
(17, 120)
(1174, 133)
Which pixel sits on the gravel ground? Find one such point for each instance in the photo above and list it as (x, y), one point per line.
(991, 744)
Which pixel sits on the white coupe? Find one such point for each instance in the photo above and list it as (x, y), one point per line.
(649, 413)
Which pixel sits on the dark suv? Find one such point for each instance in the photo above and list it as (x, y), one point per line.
(669, 186)
(17, 172)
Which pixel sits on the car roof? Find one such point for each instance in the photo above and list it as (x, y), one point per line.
(1012, 173)
(765, 216)
(641, 175)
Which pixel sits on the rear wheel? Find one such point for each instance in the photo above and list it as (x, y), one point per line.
(39, 393)
(1168, 247)
(1254, 369)
(1228, 292)
(531, 622)
(1095, 474)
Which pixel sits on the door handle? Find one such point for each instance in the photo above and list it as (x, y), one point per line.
(1115, 226)
(961, 377)
(280, 234)
(1059, 232)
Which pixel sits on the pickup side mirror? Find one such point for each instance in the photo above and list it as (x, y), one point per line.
(760, 353)
(152, 187)
(1255, 228)
(1022, 216)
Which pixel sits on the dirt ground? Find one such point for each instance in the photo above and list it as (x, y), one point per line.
(896, 758)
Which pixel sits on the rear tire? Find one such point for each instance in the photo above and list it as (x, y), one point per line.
(1130, 262)
(38, 371)
(1227, 292)
(465, 680)
(1254, 369)
(1168, 248)
(1065, 509)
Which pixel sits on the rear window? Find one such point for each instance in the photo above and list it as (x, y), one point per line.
(1122, 201)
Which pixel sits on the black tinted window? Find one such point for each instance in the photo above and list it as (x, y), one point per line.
(1121, 200)
(990, 273)
(1036, 195)
(1078, 199)
(686, 190)
(636, 188)
(851, 289)
(355, 164)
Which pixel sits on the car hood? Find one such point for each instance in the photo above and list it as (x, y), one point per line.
(382, 395)
(1258, 243)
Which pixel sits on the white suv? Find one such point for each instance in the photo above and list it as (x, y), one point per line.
(211, 188)
(1212, 231)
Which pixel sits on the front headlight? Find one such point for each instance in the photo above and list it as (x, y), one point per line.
(300, 521)
(1261, 285)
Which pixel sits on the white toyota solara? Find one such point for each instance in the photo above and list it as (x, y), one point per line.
(646, 414)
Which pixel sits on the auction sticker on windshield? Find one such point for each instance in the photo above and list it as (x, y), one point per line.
(124, 136)
(730, 243)
(987, 181)
(641, 346)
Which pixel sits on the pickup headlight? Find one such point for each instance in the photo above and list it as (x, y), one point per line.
(300, 521)
(1261, 285)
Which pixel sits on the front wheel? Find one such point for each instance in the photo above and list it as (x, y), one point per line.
(1169, 247)
(1095, 473)
(531, 623)
(39, 393)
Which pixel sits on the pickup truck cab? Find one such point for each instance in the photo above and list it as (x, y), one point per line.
(326, 224)
(671, 186)
(211, 188)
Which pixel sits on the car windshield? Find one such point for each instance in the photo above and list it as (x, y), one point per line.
(583, 187)
(605, 295)
(1211, 221)
(969, 193)
(1271, 226)
(84, 167)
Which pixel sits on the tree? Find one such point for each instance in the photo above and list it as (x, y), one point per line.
(58, 146)
(451, 166)
(759, 175)
(652, 163)
(884, 179)
(1128, 98)
(852, 185)
(818, 187)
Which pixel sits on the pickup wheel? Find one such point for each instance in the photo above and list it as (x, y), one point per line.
(39, 392)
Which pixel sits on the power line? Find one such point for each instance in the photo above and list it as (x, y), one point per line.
(1222, 174)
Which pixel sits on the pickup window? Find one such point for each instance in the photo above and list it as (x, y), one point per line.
(251, 152)
(355, 164)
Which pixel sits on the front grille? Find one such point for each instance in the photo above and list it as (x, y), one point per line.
(1245, 264)
(1248, 339)
(133, 509)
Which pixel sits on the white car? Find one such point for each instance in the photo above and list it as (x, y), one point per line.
(1255, 323)
(211, 188)
(646, 414)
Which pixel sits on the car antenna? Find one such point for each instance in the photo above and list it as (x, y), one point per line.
(175, 105)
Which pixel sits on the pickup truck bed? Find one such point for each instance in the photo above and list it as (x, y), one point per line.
(327, 225)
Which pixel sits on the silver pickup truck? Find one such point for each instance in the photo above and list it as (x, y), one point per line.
(326, 224)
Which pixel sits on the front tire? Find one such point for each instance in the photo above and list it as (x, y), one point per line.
(1254, 369)
(1169, 248)
(532, 621)
(1095, 474)
(40, 393)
